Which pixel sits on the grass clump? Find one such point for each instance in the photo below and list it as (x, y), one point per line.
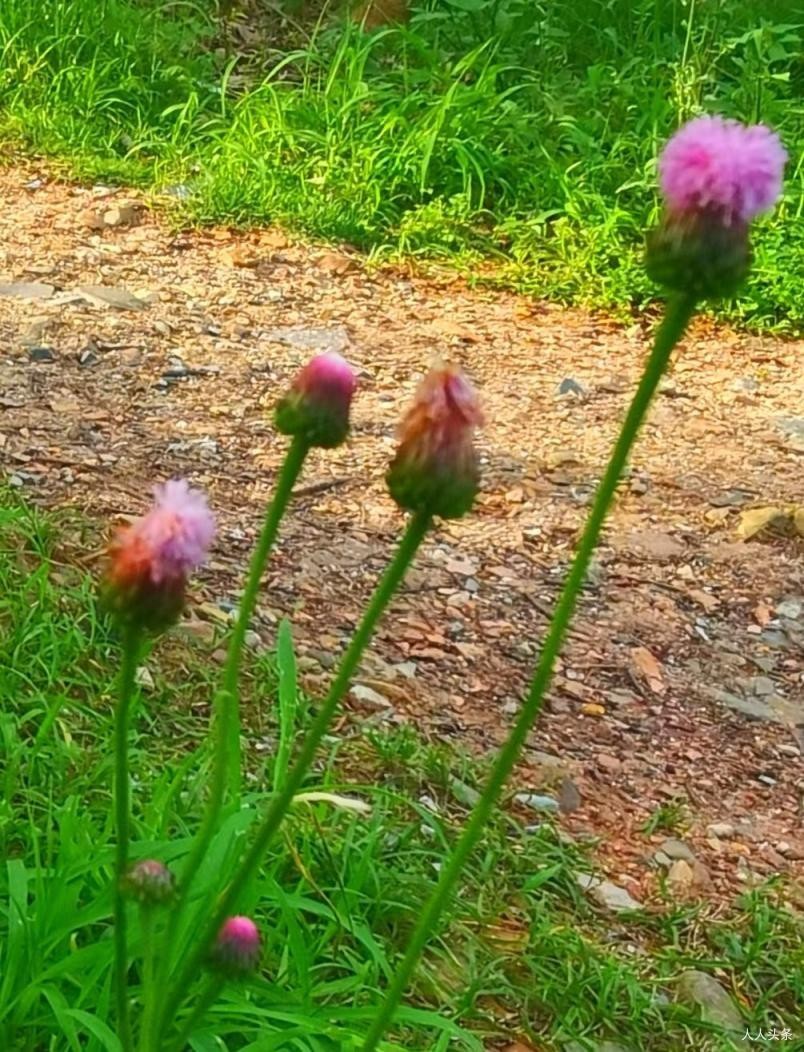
(523, 955)
(511, 131)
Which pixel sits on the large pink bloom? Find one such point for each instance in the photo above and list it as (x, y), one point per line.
(151, 560)
(718, 165)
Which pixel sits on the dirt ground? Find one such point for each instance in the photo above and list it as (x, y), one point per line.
(683, 683)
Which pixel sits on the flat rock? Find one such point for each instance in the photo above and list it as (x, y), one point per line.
(700, 988)
(108, 296)
(370, 698)
(721, 830)
(28, 290)
(537, 802)
(311, 338)
(674, 848)
(610, 895)
(660, 547)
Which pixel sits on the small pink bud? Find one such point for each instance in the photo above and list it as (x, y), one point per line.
(716, 176)
(149, 882)
(317, 406)
(435, 469)
(151, 560)
(237, 947)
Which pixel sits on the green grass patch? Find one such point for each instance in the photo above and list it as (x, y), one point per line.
(522, 953)
(520, 133)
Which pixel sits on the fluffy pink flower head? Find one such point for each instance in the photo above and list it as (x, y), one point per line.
(435, 469)
(237, 947)
(719, 165)
(149, 882)
(151, 560)
(317, 406)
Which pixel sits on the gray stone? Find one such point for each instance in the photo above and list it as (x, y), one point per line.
(107, 296)
(28, 290)
(763, 686)
(568, 386)
(791, 608)
(721, 830)
(537, 802)
(745, 385)
(569, 796)
(701, 989)
(42, 354)
(607, 894)
(754, 708)
(674, 848)
(311, 338)
(792, 427)
(369, 697)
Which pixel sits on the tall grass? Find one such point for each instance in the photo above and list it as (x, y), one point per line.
(521, 955)
(517, 130)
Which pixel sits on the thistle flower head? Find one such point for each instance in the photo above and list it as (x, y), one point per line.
(236, 950)
(149, 882)
(716, 176)
(151, 560)
(317, 406)
(435, 469)
(721, 165)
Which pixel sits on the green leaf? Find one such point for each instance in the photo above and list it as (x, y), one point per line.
(97, 1028)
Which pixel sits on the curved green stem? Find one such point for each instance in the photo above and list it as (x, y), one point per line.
(226, 768)
(678, 314)
(128, 674)
(390, 581)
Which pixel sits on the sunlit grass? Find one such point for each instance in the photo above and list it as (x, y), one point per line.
(515, 131)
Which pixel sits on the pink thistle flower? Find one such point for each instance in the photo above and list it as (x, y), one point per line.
(237, 947)
(721, 165)
(317, 406)
(151, 560)
(149, 882)
(716, 176)
(435, 469)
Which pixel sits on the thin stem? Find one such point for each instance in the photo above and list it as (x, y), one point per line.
(149, 993)
(390, 581)
(128, 674)
(226, 767)
(679, 312)
(227, 702)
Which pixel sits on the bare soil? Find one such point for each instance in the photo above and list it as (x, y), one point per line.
(683, 682)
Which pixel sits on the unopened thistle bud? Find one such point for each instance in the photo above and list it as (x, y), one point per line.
(716, 175)
(435, 469)
(149, 882)
(236, 951)
(317, 406)
(151, 560)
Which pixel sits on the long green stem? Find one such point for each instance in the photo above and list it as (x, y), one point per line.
(390, 581)
(679, 312)
(149, 989)
(227, 702)
(226, 768)
(128, 674)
